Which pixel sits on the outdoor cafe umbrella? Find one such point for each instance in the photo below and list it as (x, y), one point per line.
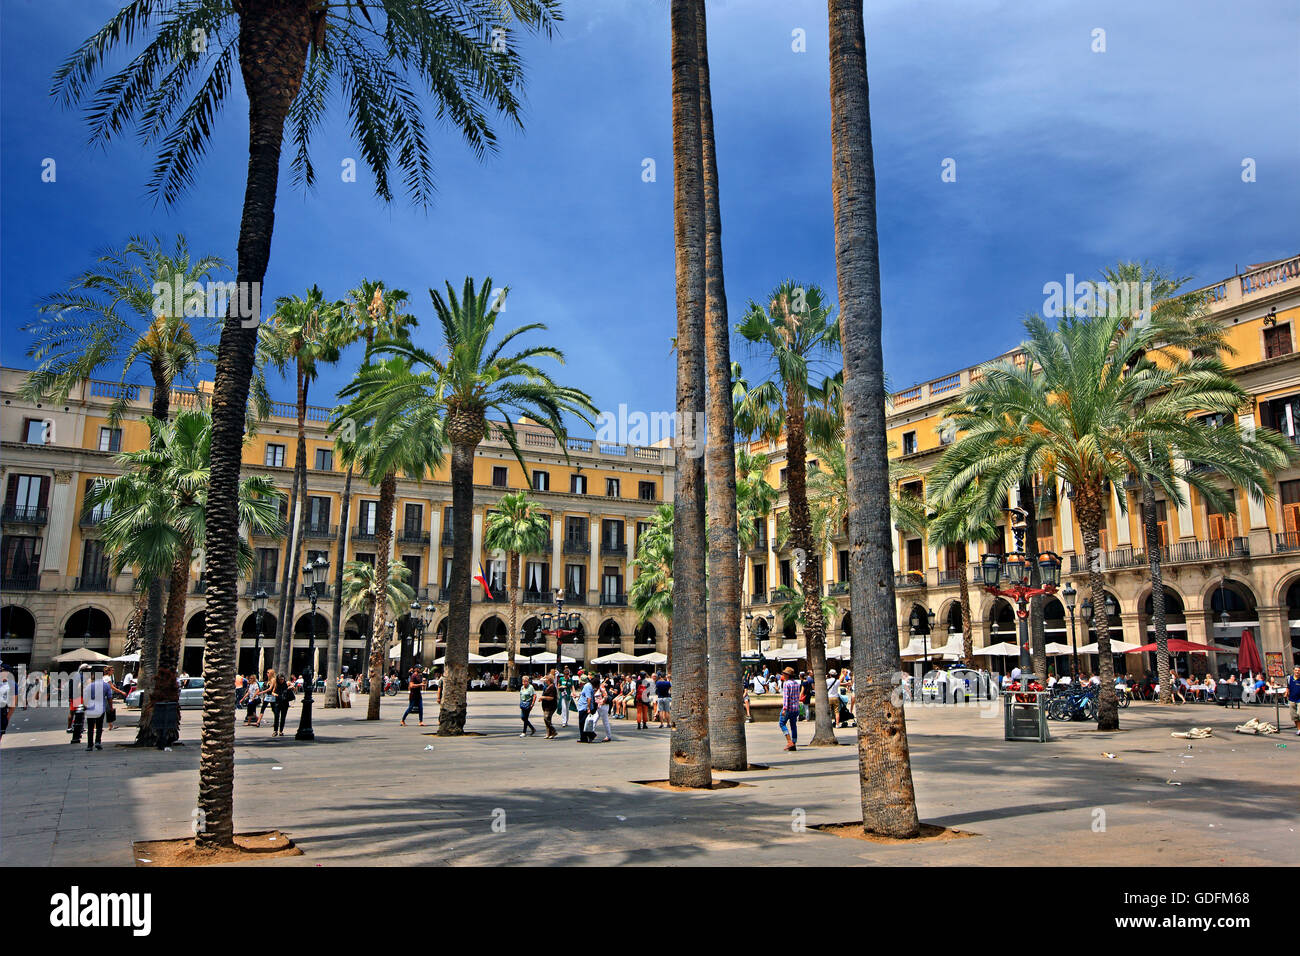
(548, 657)
(1116, 647)
(1248, 659)
(1004, 649)
(473, 659)
(1056, 647)
(617, 657)
(1177, 645)
(128, 658)
(82, 655)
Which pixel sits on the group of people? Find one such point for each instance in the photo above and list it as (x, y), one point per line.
(839, 691)
(275, 691)
(591, 698)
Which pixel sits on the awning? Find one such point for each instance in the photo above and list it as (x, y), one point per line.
(1056, 647)
(128, 658)
(655, 658)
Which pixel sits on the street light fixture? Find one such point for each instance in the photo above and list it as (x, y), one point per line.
(1015, 568)
(313, 576)
(560, 625)
(1070, 595)
(259, 603)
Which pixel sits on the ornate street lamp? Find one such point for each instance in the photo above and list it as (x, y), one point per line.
(1015, 567)
(560, 625)
(760, 630)
(259, 603)
(1070, 594)
(313, 576)
(923, 626)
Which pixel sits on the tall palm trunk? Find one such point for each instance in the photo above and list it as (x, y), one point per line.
(285, 572)
(379, 625)
(726, 706)
(293, 560)
(814, 621)
(690, 759)
(274, 37)
(963, 589)
(1087, 502)
(512, 639)
(465, 429)
(1037, 643)
(1152, 533)
(884, 764)
(166, 689)
(336, 629)
(153, 627)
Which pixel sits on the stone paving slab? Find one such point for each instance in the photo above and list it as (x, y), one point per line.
(370, 793)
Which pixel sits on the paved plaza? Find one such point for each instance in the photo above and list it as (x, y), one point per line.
(371, 793)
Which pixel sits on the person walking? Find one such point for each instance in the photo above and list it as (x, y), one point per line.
(550, 701)
(280, 705)
(415, 695)
(253, 692)
(527, 693)
(642, 701)
(585, 707)
(98, 696)
(791, 690)
(563, 684)
(1293, 697)
(268, 696)
(603, 694)
(664, 700)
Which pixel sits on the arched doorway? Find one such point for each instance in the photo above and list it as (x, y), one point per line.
(644, 637)
(532, 639)
(492, 635)
(17, 635)
(352, 654)
(192, 651)
(90, 627)
(1175, 627)
(1230, 610)
(610, 634)
(302, 655)
(1293, 619)
(255, 652)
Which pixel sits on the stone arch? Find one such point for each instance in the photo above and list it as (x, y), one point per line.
(492, 631)
(1285, 585)
(89, 626)
(609, 634)
(82, 606)
(846, 624)
(18, 625)
(645, 634)
(948, 620)
(532, 632)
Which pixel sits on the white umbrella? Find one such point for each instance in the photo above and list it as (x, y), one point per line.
(548, 657)
(1116, 647)
(500, 657)
(128, 658)
(82, 655)
(1004, 649)
(617, 657)
(473, 659)
(1056, 647)
(655, 658)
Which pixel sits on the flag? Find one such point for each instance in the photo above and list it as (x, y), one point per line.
(483, 581)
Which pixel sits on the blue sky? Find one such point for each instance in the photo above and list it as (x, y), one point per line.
(1066, 160)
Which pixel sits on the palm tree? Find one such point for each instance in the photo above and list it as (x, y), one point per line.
(689, 763)
(1092, 405)
(371, 311)
(113, 315)
(387, 443)
(792, 605)
(359, 589)
(885, 769)
(291, 55)
(963, 521)
(797, 332)
(651, 591)
(516, 527)
(726, 709)
(474, 378)
(305, 332)
(158, 513)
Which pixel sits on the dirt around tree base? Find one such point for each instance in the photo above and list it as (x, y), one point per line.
(929, 833)
(249, 848)
(717, 785)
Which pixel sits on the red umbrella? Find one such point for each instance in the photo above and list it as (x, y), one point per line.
(1178, 646)
(1248, 659)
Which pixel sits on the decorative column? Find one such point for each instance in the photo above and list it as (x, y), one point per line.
(1275, 634)
(58, 533)
(476, 547)
(557, 555)
(593, 559)
(435, 538)
(1122, 536)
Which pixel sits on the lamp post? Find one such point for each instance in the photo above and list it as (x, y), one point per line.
(1070, 594)
(1015, 567)
(259, 602)
(760, 629)
(922, 626)
(560, 625)
(314, 577)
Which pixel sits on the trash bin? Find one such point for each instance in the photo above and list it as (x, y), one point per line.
(1024, 715)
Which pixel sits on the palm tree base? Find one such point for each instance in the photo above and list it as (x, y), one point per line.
(451, 723)
(823, 740)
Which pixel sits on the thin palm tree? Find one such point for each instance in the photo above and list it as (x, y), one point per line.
(292, 56)
(517, 527)
(136, 304)
(371, 311)
(158, 514)
(386, 443)
(1092, 405)
(885, 768)
(305, 332)
(651, 591)
(359, 588)
(475, 376)
(792, 605)
(797, 333)
(967, 519)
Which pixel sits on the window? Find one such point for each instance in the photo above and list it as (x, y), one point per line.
(496, 576)
(318, 513)
(446, 571)
(413, 520)
(1162, 525)
(1219, 525)
(641, 528)
(537, 580)
(611, 534)
(759, 579)
(541, 481)
(842, 566)
(368, 515)
(94, 563)
(645, 490)
(22, 559)
(611, 584)
(954, 559)
(1277, 341)
(1282, 414)
(783, 475)
(909, 443)
(26, 497)
(268, 561)
(499, 477)
(611, 487)
(95, 514)
(1046, 535)
(575, 581)
(324, 459)
(447, 526)
(110, 439)
(274, 456)
(35, 431)
(575, 529)
(912, 489)
(760, 533)
(786, 579)
(915, 555)
(1290, 506)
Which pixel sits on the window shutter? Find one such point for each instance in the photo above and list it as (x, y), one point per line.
(1291, 518)
(45, 492)
(11, 492)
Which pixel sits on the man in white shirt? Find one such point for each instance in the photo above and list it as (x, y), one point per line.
(6, 700)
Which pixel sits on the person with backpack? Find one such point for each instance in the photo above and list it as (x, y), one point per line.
(642, 702)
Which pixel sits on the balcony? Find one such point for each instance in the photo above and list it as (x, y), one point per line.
(576, 600)
(363, 534)
(320, 531)
(575, 546)
(613, 599)
(413, 536)
(93, 519)
(252, 587)
(448, 538)
(444, 593)
(616, 548)
(326, 592)
(758, 547)
(836, 588)
(758, 597)
(500, 595)
(538, 597)
(1182, 552)
(94, 582)
(26, 514)
(1286, 541)
(905, 580)
(21, 582)
(950, 577)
